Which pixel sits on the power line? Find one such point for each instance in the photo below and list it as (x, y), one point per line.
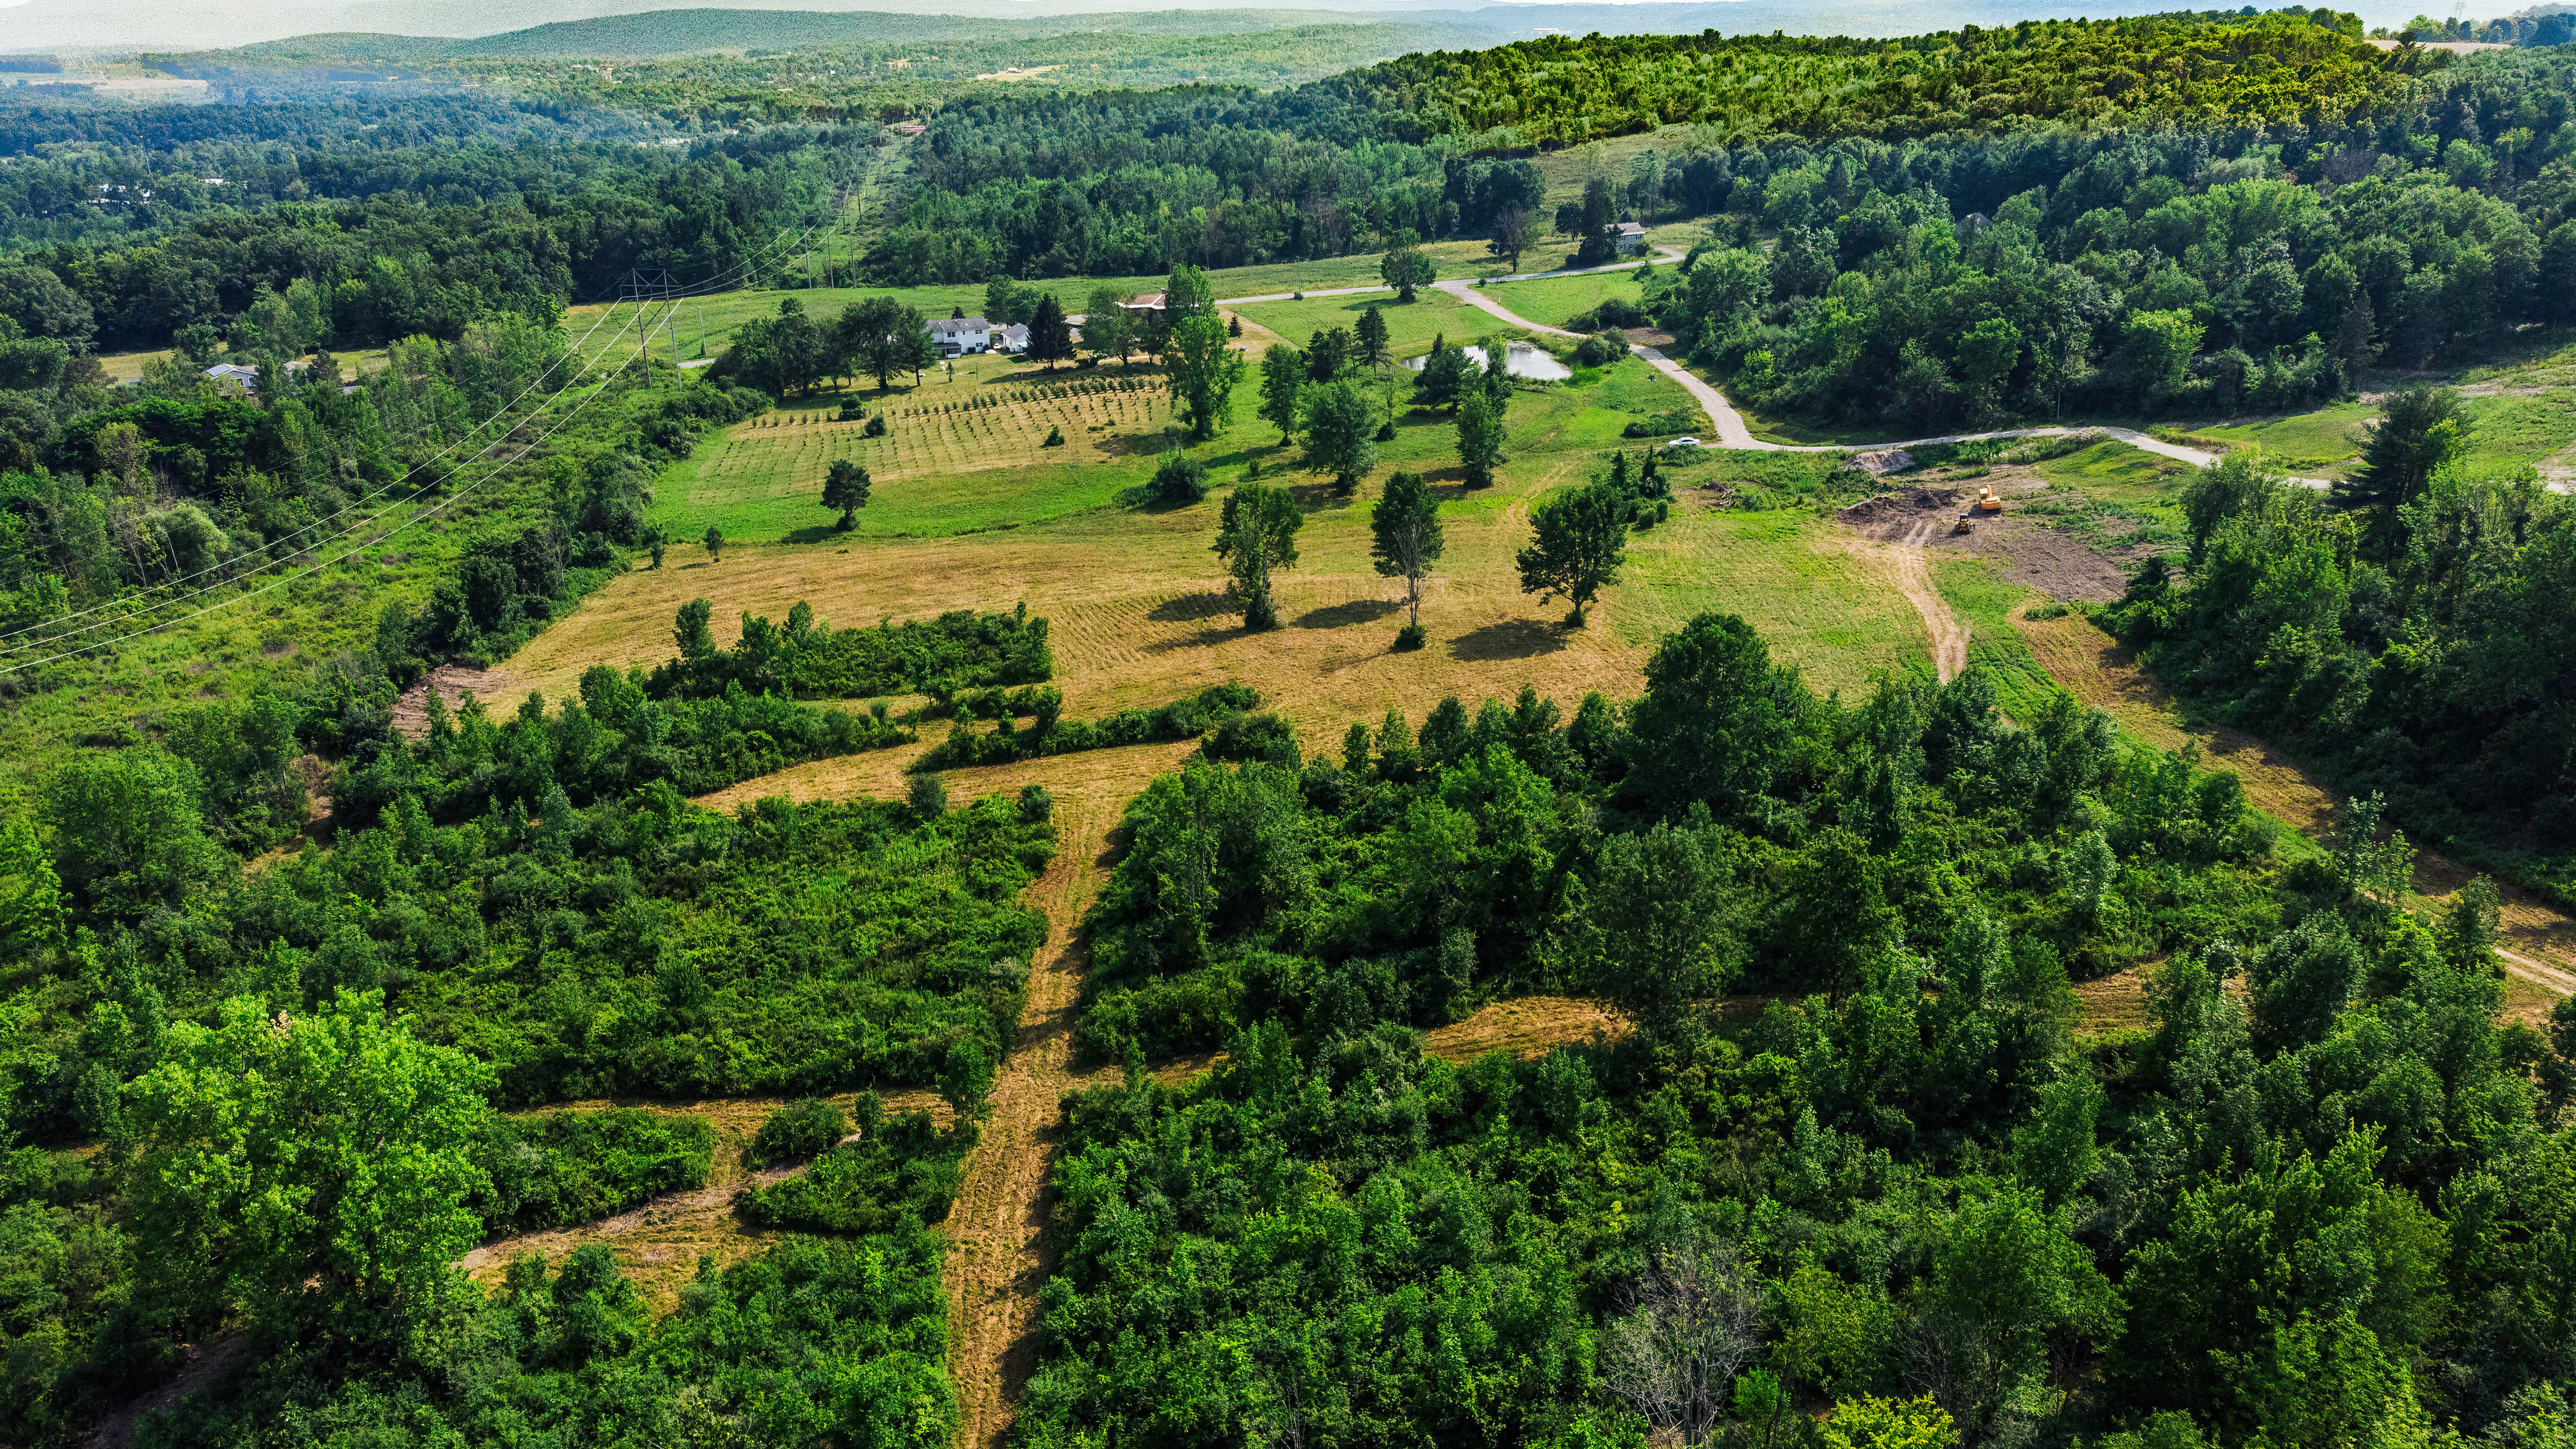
(451, 501)
(657, 284)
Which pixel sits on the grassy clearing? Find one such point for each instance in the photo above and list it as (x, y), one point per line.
(2113, 496)
(2316, 444)
(1553, 300)
(964, 453)
(704, 323)
(1822, 606)
(2517, 430)
(1568, 169)
(1988, 605)
(934, 469)
(1410, 326)
(1140, 618)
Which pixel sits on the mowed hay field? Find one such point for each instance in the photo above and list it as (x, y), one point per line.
(1136, 597)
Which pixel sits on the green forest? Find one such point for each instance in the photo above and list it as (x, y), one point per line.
(418, 855)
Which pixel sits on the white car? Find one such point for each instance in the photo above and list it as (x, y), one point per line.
(1683, 443)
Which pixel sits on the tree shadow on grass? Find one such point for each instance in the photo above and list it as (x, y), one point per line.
(1320, 497)
(1192, 608)
(818, 533)
(1510, 639)
(1357, 611)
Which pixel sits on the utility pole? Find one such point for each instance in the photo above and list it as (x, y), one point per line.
(644, 287)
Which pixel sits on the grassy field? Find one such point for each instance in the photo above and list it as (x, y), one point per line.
(1410, 326)
(964, 452)
(704, 323)
(2112, 495)
(1557, 298)
(973, 515)
(2318, 444)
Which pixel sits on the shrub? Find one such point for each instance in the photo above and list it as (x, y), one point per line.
(1262, 736)
(1181, 479)
(1600, 349)
(876, 426)
(1410, 637)
(1665, 425)
(927, 796)
(902, 1170)
(1386, 431)
(801, 1129)
(561, 1168)
(1054, 438)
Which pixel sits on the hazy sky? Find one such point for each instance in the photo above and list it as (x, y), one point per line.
(130, 25)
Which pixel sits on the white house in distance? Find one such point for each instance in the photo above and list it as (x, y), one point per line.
(246, 376)
(957, 336)
(1632, 238)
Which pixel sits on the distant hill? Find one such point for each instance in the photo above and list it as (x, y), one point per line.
(395, 30)
(710, 31)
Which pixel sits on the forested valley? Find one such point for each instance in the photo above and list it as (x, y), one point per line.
(451, 839)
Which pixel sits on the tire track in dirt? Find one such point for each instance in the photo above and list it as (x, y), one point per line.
(1909, 572)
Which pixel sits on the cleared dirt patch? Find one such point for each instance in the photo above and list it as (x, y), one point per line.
(2028, 552)
(494, 687)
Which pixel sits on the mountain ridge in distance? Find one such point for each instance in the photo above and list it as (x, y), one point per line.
(166, 25)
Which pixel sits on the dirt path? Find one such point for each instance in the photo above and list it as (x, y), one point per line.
(1001, 1255)
(496, 688)
(1907, 569)
(1914, 580)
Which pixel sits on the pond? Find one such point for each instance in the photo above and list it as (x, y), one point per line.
(1520, 359)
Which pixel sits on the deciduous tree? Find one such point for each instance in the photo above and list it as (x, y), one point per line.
(881, 337)
(1257, 533)
(1577, 542)
(1480, 439)
(309, 1165)
(845, 487)
(1283, 378)
(1340, 433)
(1406, 269)
(1404, 537)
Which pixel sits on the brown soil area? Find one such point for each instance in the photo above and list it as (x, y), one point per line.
(2028, 552)
(499, 689)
